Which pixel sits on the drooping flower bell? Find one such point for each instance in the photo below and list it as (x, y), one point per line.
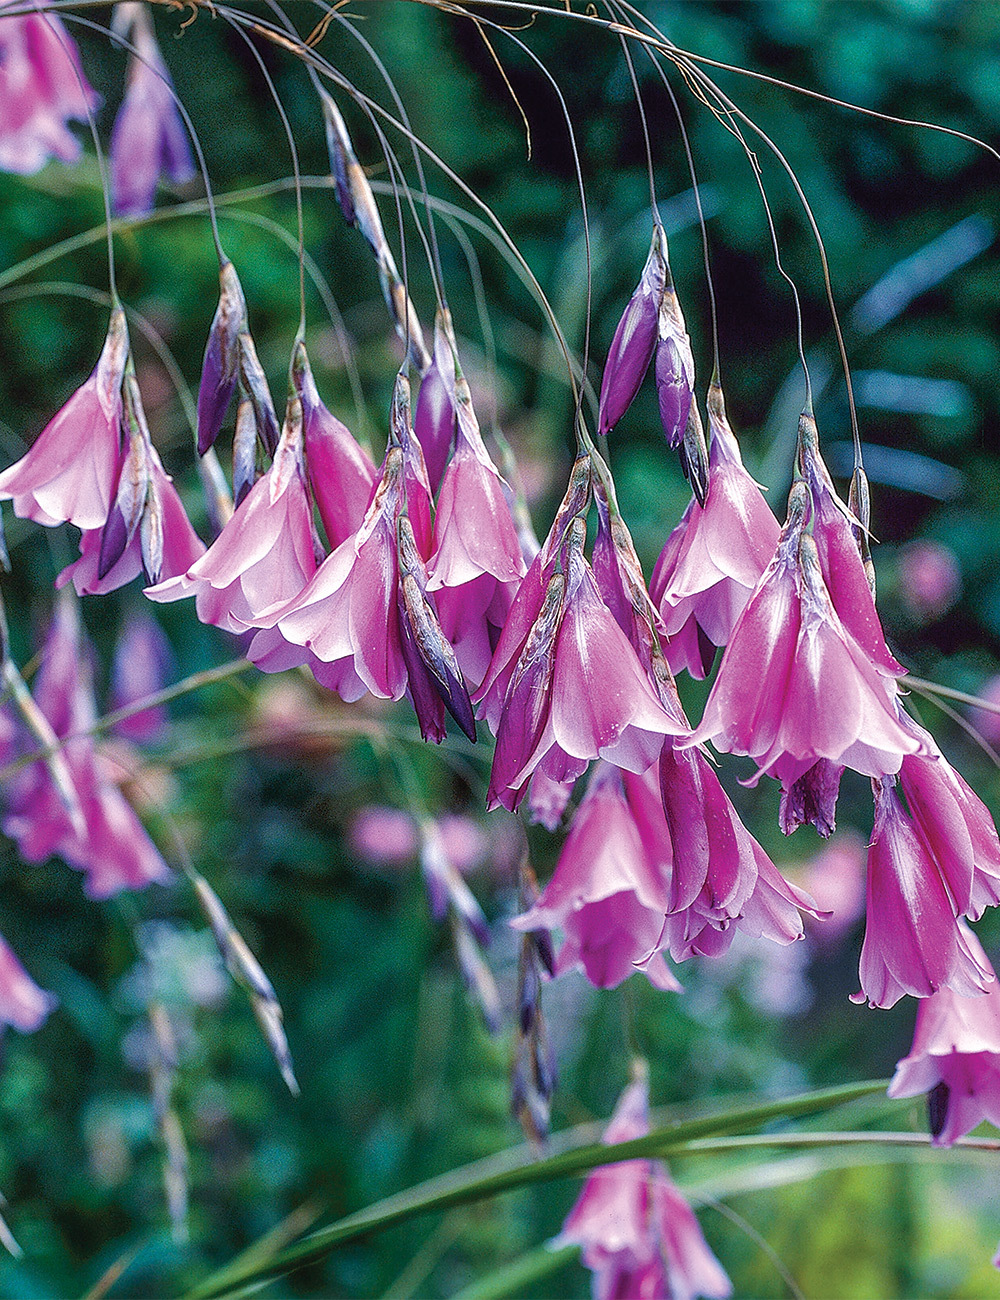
(42, 87)
(147, 529)
(148, 138)
(105, 840)
(578, 690)
(70, 472)
(264, 556)
(914, 942)
(955, 1058)
(794, 686)
(607, 894)
(22, 1003)
(477, 559)
(639, 1235)
(715, 557)
(340, 472)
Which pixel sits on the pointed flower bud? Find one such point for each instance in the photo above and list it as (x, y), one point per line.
(434, 419)
(220, 367)
(635, 338)
(674, 368)
(133, 483)
(253, 382)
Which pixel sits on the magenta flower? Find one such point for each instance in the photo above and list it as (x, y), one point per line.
(716, 555)
(639, 1235)
(930, 579)
(163, 545)
(577, 692)
(635, 338)
(955, 1058)
(264, 556)
(108, 842)
(606, 894)
(840, 559)
(477, 556)
(142, 665)
(794, 686)
(434, 417)
(42, 86)
(22, 1003)
(913, 942)
(340, 472)
(148, 138)
(69, 475)
(956, 828)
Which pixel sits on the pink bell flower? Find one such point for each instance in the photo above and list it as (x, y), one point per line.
(914, 942)
(70, 472)
(477, 556)
(638, 1234)
(163, 546)
(148, 138)
(578, 692)
(794, 686)
(339, 470)
(264, 556)
(606, 893)
(143, 664)
(42, 86)
(955, 826)
(22, 1003)
(955, 1059)
(716, 555)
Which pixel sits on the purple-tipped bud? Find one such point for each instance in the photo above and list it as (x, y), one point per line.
(254, 383)
(221, 365)
(674, 369)
(133, 484)
(244, 450)
(635, 338)
(434, 420)
(423, 626)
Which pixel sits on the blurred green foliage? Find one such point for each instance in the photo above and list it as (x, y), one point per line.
(399, 1080)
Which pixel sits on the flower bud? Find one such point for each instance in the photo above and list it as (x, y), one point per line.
(220, 366)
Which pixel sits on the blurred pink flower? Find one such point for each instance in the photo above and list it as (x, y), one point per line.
(107, 842)
(639, 1236)
(70, 472)
(22, 1003)
(715, 556)
(914, 942)
(955, 1058)
(835, 878)
(930, 580)
(42, 86)
(142, 666)
(986, 722)
(148, 137)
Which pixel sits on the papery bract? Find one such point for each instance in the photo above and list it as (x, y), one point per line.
(69, 474)
(955, 1058)
(42, 86)
(220, 367)
(913, 940)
